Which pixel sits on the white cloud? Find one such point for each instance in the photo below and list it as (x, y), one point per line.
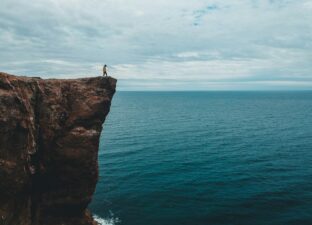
(156, 41)
(188, 55)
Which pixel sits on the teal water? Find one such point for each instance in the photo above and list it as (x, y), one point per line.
(206, 158)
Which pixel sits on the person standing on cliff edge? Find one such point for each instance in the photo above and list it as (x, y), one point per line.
(105, 70)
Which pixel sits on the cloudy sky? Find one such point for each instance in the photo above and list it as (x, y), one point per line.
(163, 44)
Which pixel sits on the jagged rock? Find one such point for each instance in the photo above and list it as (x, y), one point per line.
(49, 137)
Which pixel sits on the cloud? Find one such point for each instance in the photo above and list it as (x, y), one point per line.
(188, 55)
(161, 44)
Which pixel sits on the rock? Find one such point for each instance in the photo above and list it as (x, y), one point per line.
(49, 141)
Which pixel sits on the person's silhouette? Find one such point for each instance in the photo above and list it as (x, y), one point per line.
(105, 70)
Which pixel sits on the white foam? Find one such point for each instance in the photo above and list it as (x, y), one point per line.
(107, 221)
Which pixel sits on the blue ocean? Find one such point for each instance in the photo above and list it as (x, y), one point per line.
(206, 158)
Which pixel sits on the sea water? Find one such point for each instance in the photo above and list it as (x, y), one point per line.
(206, 158)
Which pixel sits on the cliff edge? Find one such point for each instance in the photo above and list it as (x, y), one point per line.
(49, 137)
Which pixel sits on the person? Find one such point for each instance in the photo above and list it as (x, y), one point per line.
(105, 70)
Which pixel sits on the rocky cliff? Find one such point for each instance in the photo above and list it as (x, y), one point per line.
(49, 137)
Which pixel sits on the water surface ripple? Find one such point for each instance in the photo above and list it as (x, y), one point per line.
(207, 158)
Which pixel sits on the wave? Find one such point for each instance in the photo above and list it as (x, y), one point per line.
(106, 221)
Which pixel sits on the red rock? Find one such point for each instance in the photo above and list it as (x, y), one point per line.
(49, 137)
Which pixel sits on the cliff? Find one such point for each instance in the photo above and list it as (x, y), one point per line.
(49, 137)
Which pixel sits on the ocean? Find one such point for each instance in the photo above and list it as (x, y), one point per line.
(206, 158)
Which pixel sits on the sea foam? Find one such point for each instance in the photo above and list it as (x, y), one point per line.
(107, 221)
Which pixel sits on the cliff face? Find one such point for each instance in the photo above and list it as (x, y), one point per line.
(49, 137)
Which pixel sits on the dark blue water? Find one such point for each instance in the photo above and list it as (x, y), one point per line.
(206, 158)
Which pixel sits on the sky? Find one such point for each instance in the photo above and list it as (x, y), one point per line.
(163, 44)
